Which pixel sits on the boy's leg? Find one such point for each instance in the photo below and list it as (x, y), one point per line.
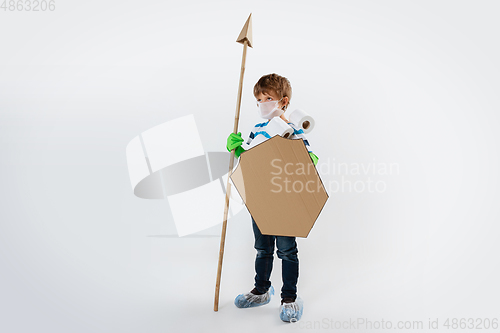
(287, 252)
(264, 244)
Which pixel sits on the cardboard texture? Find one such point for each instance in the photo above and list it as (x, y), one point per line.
(280, 186)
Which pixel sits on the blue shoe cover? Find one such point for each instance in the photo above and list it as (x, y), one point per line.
(291, 312)
(250, 300)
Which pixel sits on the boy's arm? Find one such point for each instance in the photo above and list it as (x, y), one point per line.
(251, 135)
(240, 149)
(299, 133)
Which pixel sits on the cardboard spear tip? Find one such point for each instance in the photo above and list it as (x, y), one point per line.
(246, 32)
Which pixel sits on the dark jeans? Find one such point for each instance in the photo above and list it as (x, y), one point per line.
(287, 252)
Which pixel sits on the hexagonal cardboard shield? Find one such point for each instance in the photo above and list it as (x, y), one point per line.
(280, 186)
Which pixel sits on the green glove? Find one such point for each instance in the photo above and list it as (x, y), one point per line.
(314, 158)
(238, 151)
(234, 141)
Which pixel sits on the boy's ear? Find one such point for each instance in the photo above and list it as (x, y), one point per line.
(285, 101)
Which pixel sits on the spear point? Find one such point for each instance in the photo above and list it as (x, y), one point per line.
(246, 32)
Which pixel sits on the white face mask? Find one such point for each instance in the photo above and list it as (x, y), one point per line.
(269, 110)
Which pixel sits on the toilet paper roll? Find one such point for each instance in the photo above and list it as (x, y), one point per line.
(276, 126)
(302, 120)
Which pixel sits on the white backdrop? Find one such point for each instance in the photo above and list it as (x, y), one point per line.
(406, 87)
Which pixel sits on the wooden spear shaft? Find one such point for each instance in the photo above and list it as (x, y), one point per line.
(247, 37)
(228, 187)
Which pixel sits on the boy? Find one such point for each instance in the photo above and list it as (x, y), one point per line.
(273, 93)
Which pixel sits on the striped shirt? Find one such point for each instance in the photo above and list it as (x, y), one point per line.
(260, 129)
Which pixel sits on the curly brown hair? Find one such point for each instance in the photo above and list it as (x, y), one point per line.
(275, 83)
